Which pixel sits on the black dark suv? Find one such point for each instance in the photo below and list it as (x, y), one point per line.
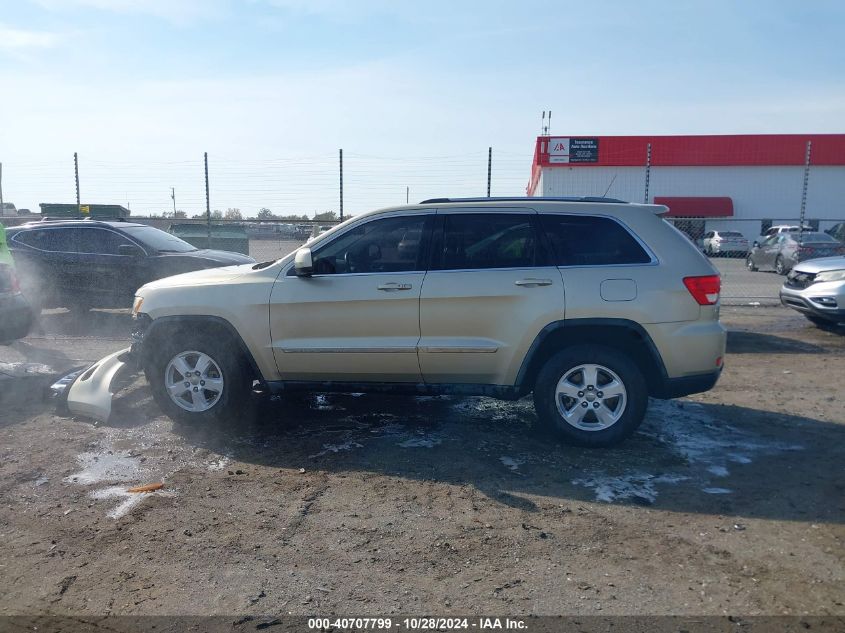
(83, 264)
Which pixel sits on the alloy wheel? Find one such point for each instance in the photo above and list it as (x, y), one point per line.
(194, 381)
(591, 397)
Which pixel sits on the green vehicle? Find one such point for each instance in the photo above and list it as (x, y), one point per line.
(16, 314)
(5, 255)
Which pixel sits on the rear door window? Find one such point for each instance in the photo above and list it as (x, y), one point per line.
(581, 240)
(97, 241)
(487, 240)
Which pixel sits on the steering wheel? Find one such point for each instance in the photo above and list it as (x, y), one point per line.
(351, 260)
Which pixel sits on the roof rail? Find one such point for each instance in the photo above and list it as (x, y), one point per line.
(527, 199)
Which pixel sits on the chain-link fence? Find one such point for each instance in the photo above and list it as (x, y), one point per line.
(268, 208)
(752, 255)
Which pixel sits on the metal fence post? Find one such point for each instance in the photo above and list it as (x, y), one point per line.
(804, 188)
(647, 172)
(489, 168)
(207, 201)
(341, 184)
(76, 179)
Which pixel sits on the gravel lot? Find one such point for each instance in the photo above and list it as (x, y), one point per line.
(732, 501)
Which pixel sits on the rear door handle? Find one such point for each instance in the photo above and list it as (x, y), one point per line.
(392, 286)
(533, 282)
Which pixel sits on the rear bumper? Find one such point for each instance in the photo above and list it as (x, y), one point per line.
(686, 385)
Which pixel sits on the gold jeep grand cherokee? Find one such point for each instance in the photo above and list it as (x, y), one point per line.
(591, 304)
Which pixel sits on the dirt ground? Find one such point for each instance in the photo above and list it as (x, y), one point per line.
(729, 502)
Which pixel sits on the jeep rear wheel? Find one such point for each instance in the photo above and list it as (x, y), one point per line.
(590, 395)
(197, 379)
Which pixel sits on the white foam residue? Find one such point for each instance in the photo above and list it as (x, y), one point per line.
(718, 471)
(511, 462)
(717, 491)
(21, 370)
(336, 448)
(219, 464)
(130, 499)
(421, 442)
(704, 440)
(637, 486)
(109, 466)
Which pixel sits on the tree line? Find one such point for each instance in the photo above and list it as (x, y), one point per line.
(264, 214)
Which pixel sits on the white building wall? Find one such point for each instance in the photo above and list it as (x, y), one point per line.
(769, 192)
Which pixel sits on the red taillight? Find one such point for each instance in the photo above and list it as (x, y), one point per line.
(705, 290)
(16, 285)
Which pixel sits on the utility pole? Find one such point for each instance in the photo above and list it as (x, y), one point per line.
(407, 191)
(804, 190)
(76, 177)
(207, 201)
(173, 196)
(490, 166)
(341, 185)
(2, 207)
(647, 172)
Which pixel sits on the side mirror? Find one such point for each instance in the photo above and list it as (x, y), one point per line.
(303, 263)
(756, 244)
(129, 250)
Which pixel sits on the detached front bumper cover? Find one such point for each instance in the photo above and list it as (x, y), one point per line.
(89, 392)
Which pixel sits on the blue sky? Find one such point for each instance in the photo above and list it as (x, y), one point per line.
(414, 92)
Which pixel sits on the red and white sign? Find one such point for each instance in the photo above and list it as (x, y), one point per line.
(558, 149)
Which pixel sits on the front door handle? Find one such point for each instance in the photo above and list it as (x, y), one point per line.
(533, 282)
(392, 286)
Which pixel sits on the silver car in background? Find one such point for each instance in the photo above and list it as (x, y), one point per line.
(816, 288)
(729, 243)
(782, 251)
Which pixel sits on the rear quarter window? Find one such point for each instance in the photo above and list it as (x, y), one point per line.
(591, 241)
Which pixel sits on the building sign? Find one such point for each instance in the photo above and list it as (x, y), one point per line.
(573, 150)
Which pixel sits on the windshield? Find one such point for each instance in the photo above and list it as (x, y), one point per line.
(158, 239)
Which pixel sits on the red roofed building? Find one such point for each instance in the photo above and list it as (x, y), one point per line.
(755, 179)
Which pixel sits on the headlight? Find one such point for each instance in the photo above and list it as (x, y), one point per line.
(830, 275)
(136, 306)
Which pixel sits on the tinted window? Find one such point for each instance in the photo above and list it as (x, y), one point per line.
(158, 239)
(58, 239)
(99, 241)
(482, 240)
(591, 241)
(381, 246)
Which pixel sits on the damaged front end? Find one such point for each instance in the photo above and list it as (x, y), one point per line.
(89, 391)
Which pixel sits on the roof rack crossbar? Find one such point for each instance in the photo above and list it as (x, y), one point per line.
(527, 199)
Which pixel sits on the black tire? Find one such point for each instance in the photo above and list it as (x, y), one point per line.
(231, 405)
(780, 269)
(749, 264)
(561, 364)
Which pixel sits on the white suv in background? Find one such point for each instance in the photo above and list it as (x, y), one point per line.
(590, 304)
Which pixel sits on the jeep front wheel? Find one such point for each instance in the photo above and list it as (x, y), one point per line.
(195, 379)
(590, 395)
